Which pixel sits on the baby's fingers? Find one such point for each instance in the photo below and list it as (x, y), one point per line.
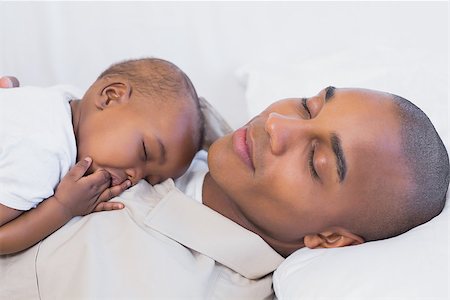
(103, 206)
(9, 82)
(114, 191)
(80, 168)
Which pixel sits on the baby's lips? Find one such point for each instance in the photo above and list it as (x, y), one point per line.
(116, 180)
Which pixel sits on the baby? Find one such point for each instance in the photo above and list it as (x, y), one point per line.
(140, 119)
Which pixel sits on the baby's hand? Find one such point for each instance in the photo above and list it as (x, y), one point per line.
(81, 195)
(9, 82)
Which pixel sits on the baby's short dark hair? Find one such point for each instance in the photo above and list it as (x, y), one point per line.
(159, 80)
(427, 163)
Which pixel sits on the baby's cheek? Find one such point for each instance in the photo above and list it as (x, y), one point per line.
(177, 170)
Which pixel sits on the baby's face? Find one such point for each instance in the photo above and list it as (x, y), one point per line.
(141, 140)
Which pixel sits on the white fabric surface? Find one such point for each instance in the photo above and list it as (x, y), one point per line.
(37, 144)
(191, 182)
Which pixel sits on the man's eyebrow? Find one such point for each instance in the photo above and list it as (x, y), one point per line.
(341, 165)
(329, 93)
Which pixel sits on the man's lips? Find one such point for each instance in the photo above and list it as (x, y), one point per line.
(241, 146)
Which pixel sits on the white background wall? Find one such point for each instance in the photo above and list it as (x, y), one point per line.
(45, 43)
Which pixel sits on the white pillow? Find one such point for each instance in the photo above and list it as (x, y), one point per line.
(411, 266)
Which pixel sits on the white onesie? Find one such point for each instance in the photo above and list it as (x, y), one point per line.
(37, 143)
(191, 182)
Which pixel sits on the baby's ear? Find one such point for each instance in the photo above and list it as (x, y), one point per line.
(333, 238)
(114, 90)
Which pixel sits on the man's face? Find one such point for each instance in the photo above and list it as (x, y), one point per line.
(302, 166)
(138, 140)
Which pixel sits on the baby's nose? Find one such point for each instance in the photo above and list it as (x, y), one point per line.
(134, 174)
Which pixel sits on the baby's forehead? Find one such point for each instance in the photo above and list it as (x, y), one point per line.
(180, 120)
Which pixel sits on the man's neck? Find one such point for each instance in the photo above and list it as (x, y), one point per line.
(215, 198)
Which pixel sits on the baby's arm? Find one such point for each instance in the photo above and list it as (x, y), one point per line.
(76, 195)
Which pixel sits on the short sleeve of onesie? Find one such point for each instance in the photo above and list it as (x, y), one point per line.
(37, 144)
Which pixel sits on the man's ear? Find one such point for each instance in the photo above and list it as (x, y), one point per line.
(333, 238)
(113, 90)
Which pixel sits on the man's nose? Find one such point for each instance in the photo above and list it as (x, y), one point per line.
(286, 131)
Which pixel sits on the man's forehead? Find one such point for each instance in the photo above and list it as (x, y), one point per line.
(373, 151)
(368, 129)
(361, 94)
